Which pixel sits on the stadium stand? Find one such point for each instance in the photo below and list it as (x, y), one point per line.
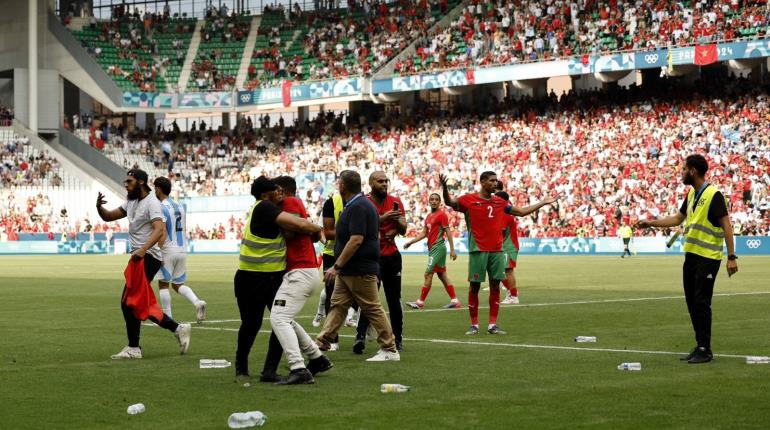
(513, 31)
(615, 155)
(223, 39)
(140, 53)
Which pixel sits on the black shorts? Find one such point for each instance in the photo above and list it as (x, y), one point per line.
(626, 240)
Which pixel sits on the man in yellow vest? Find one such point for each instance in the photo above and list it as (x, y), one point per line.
(626, 233)
(262, 263)
(707, 229)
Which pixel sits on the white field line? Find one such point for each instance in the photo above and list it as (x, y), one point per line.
(512, 345)
(528, 305)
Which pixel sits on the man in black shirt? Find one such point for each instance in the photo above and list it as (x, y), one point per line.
(357, 250)
(260, 273)
(707, 226)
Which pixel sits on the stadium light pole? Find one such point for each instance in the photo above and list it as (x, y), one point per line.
(32, 64)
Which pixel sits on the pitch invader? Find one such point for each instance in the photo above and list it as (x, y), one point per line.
(174, 250)
(485, 217)
(436, 229)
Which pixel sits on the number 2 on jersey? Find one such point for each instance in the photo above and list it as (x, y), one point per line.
(490, 211)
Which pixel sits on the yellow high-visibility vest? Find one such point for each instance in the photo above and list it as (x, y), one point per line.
(259, 254)
(700, 236)
(338, 207)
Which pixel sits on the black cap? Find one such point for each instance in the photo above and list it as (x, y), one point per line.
(139, 175)
(262, 185)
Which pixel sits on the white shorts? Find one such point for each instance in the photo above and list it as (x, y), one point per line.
(174, 268)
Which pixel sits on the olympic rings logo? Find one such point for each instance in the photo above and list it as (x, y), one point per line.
(245, 97)
(651, 58)
(753, 243)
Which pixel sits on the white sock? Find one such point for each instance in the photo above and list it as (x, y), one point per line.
(322, 303)
(165, 301)
(188, 294)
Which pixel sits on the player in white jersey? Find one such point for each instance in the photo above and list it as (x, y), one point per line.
(174, 249)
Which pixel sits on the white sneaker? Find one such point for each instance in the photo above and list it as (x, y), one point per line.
(335, 346)
(317, 320)
(182, 334)
(128, 352)
(200, 311)
(510, 300)
(383, 355)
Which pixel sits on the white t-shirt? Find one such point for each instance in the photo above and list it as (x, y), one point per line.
(141, 214)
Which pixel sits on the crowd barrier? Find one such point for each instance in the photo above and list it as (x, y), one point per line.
(744, 245)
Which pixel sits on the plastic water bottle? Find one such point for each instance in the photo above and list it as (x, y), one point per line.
(135, 409)
(242, 420)
(207, 363)
(630, 366)
(584, 339)
(394, 388)
(757, 359)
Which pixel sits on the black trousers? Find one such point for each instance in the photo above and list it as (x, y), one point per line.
(133, 325)
(390, 280)
(255, 291)
(699, 274)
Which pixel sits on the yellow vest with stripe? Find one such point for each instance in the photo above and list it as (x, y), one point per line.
(700, 236)
(339, 205)
(259, 254)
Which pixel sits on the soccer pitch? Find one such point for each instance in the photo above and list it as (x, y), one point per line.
(61, 321)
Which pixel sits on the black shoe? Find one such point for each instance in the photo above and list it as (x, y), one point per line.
(318, 365)
(359, 346)
(296, 377)
(701, 355)
(270, 377)
(399, 346)
(688, 356)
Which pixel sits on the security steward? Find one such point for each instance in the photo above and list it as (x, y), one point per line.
(707, 228)
(262, 263)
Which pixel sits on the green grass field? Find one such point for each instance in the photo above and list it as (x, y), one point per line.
(60, 322)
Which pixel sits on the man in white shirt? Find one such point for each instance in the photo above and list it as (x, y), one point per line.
(145, 230)
(174, 250)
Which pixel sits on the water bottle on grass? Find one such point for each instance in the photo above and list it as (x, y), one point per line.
(242, 420)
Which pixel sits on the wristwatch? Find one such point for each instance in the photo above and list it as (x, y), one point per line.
(732, 257)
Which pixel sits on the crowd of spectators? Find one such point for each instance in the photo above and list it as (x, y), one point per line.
(615, 156)
(6, 116)
(21, 165)
(223, 36)
(354, 43)
(509, 31)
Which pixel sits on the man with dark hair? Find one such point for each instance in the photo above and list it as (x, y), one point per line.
(392, 222)
(707, 229)
(357, 249)
(484, 217)
(145, 230)
(262, 264)
(174, 249)
(299, 282)
(435, 229)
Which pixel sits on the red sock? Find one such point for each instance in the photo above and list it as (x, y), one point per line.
(473, 307)
(424, 293)
(450, 289)
(513, 290)
(494, 306)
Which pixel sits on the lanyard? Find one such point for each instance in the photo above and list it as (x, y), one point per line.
(697, 196)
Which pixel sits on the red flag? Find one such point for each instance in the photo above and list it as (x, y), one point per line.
(585, 59)
(470, 76)
(139, 295)
(706, 54)
(286, 92)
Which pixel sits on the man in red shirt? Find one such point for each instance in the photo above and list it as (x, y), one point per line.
(392, 223)
(485, 217)
(436, 227)
(300, 280)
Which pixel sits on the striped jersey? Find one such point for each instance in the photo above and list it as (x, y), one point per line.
(176, 227)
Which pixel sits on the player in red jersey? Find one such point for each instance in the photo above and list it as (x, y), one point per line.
(436, 227)
(484, 217)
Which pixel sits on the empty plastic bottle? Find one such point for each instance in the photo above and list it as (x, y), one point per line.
(757, 359)
(207, 363)
(583, 339)
(242, 420)
(135, 409)
(630, 366)
(394, 388)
